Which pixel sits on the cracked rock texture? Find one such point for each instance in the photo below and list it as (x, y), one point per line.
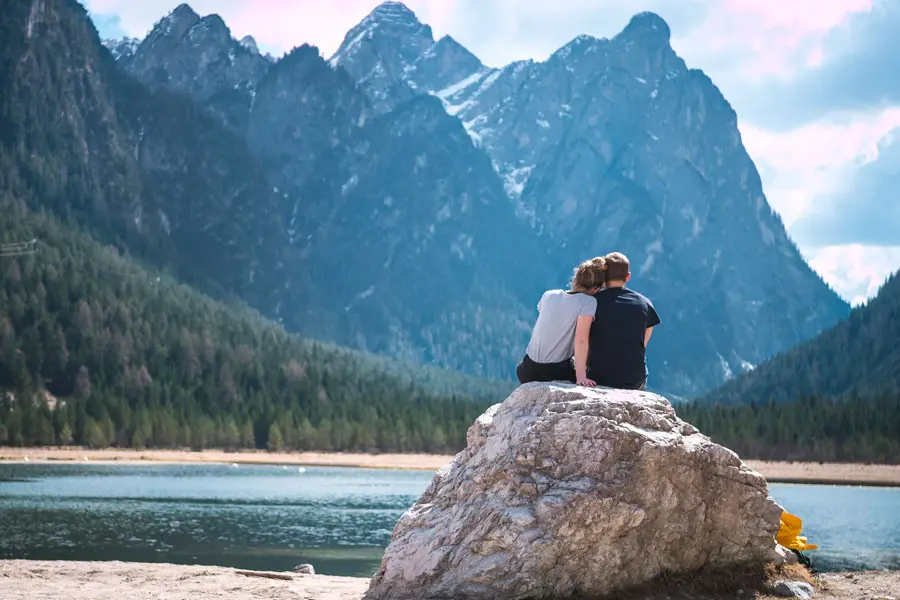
(564, 490)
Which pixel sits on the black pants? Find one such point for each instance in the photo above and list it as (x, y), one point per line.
(529, 371)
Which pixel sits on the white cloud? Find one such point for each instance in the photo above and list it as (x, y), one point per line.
(855, 271)
(803, 164)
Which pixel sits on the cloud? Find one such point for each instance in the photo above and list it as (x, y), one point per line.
(855, 271)
(109, 26)
(762, 39)
(834, 183)
(865, 210)
(821, 170)
(850, 69)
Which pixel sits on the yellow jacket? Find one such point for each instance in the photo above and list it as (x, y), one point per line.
(789, 533)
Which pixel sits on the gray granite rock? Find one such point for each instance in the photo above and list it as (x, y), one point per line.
(564, 489)
(304, 569)
(794, 589)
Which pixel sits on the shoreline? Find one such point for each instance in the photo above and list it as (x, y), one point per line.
(76, 580)
(775, 472)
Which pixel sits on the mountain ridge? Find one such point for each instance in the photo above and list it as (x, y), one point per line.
(611, 144)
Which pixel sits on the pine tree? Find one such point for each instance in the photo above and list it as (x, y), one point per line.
(94, 437)
(275, 443)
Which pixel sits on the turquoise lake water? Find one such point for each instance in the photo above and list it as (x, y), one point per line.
(340, 520)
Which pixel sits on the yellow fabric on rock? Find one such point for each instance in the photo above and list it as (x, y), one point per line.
(789, 533)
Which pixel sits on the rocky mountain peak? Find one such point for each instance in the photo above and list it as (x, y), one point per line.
(212, 28)
(177, 23)
(394, 57)
(249, 42)
(394, 13)
(199, 56)
(582, 44)
(649, 27)
(390, 23)
(122, 49)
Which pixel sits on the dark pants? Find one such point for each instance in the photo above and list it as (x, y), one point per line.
(529, 371)
(621, 386)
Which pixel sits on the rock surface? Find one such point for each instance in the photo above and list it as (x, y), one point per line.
(563, 490)
(783, 556)
(305, 569)
(794, 589)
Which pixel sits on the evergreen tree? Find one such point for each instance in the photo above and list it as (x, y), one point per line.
(275, 443)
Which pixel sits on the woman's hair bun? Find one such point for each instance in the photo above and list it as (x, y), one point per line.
(590, 274)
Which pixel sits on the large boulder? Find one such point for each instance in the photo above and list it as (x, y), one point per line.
(565, 491)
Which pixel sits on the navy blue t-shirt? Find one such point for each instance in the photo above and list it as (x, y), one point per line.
(617, 355)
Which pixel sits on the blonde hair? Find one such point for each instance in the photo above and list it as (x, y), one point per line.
(590, 274)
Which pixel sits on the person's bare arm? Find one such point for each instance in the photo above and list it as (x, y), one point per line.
(647, 333)
(582, 333)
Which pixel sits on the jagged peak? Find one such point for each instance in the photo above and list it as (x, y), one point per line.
(448, 40)
(389, 16)
(182, 13)
(647, 25)
(393, 11)
(449, 44)
(302, 57)
(581, 43)
(122, 48)
(214, 23)
(175, 24)
(392, 15)
(249, 42)
(122, 41)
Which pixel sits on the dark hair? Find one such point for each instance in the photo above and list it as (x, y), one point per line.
(590, 274)
(617, 266)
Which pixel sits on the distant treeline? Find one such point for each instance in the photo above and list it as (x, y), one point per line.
(853, 428)
(96, 350)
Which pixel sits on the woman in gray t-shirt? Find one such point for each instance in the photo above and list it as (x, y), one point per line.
(562, 328)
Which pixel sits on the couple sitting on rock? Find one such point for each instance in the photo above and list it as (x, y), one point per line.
(595, 333)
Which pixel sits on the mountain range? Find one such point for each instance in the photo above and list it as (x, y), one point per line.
(403, 198)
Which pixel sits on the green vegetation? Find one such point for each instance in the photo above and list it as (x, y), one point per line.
(860, 355)
(836, 397)
(853, 428)
(96, 350)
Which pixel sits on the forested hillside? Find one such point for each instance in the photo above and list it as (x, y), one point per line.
(854, 428)
(858, 355)
(836, 397)
(129, 357)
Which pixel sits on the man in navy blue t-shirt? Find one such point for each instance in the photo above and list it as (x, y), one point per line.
(621, 330)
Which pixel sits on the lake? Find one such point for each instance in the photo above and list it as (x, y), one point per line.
(338, 519)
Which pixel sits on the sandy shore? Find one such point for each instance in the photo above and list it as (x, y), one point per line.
(44, 580)
(775, 472)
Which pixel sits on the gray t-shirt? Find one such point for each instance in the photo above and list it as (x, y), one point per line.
(553, 338)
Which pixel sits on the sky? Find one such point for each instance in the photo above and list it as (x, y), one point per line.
(814, 84)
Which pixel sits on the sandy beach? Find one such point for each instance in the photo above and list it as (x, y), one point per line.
(775, 472)
(46, 580)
